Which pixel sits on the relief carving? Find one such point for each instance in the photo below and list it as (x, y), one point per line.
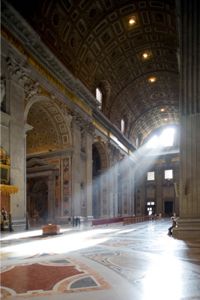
(85, 125)
(16, 70)
(67, 114)
(31, 89)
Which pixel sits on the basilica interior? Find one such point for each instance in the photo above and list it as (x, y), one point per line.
(100, 122)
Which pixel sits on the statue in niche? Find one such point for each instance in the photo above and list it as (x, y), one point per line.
(3, 93)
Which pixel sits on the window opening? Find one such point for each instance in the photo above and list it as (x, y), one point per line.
(168, 174)
(99, 97)
(122, 125)
(150, 175)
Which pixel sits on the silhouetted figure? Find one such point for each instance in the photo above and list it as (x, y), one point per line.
(76, 221)
(174, 220)
(4, 214)
(6, 220)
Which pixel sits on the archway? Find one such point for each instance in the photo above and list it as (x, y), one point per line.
(100, 164)
(37, 201)
(47, 141)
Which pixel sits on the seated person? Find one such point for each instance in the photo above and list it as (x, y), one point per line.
(174, 221)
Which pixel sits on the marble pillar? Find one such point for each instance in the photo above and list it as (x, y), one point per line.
(15, 97)
(130, 184)
(113, 181)
(159, 191)
(51, 197)
(114, 193)
(189, 27)
(112, 190)
(88, 179)
(76, 172)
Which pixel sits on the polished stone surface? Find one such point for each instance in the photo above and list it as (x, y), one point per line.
(137, 262)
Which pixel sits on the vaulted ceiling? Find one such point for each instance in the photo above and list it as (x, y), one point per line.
(96, 41)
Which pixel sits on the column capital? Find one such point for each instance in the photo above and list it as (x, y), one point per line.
(16, 70)
(85, 126)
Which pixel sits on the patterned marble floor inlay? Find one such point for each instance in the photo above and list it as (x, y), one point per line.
(36, 277)
(134, 262)
(54, 276)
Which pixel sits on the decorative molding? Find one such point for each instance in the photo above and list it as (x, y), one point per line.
(32, 42)
(31, 89)
(57, 153)
(85, 125)
(4, 119)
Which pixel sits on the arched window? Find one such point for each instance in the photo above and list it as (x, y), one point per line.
(122, 125)
(99, 97)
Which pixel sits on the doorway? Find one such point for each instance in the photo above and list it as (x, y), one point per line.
(38, 200)
(168, 208)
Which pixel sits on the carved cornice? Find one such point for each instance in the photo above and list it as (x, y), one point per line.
(57, 153)
(49, 80)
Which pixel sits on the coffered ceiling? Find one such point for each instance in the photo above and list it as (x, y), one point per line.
(117, 45)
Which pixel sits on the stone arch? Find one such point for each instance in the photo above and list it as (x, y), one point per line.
(103, 155)
(55, 132)
(100, 165)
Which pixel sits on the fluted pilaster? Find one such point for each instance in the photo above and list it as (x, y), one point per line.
(189, 26)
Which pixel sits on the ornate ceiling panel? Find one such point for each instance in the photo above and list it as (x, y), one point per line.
(95, 41)
(49, 129)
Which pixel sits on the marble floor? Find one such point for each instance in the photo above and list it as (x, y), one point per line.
(115, 262)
